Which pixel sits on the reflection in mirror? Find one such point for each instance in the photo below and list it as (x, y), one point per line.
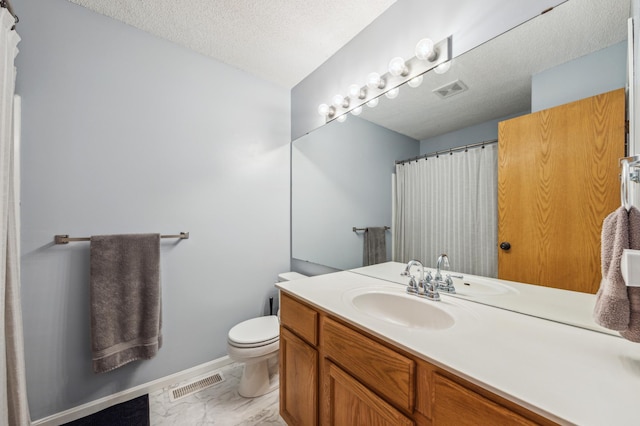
(340, 180)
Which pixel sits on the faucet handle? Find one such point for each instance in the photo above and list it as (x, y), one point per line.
(447, 286)
(412, 286)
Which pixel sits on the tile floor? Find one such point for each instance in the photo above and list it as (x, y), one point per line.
(219, 405)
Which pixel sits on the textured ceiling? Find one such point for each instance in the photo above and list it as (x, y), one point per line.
(281, 41)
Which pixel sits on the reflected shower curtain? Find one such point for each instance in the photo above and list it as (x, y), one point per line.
(13, 397)
(448, 204)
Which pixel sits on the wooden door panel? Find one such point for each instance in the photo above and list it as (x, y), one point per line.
(352, 404)
(557, 181)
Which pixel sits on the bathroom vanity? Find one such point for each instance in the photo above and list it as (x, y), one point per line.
(358, 350)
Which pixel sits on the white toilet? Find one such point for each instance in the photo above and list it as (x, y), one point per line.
(255, 342)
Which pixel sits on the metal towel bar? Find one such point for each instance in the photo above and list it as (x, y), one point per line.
(65, 239)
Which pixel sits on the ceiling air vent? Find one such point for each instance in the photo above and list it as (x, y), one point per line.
(450, 89)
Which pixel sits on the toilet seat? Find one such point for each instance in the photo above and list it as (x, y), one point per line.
(255, 332)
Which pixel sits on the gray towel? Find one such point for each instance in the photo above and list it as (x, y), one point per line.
(126, 316)
(612, 304)
(375, 249)
(633, 293)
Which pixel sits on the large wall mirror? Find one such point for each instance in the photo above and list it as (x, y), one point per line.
(341, 172)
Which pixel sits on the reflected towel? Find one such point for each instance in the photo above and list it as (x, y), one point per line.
(633, 293)
(125, 299)
(375, 248)
(612, 303)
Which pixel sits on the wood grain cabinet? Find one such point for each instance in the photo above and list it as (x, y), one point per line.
(332, 373)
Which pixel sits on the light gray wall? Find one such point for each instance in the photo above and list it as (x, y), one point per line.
(395, 33)
(482, 132)
(589, 75)
(126, 133)
(341, 178)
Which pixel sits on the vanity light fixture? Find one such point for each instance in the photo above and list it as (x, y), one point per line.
(442, 68)
(416, 81)
(374, 81)
(428, 55)
(340, 101)
(326, 110)
(357, 92)
(425, 50)
(393, 93)
(398, 68)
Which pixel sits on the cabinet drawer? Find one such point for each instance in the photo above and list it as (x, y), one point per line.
(458, 406)
(299, 318)
(385, 371)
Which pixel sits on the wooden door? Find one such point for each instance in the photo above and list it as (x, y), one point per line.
(558, 178)
(350, 403)
(298, 380)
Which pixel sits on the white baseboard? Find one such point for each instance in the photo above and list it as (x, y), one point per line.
(108, 401)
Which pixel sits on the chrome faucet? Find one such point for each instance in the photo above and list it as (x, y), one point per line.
(443, 262)
(413, 287)
(426, 284)
(445, 285)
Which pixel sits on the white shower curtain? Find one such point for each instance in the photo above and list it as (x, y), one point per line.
(448, 204)
(13, 398)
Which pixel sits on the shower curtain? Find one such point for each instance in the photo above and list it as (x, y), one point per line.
(448, 204)
(13, 397)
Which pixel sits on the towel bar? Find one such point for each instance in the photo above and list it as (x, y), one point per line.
(386, 228)
(65, 239)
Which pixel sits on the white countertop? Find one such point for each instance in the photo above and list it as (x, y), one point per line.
(568, 374)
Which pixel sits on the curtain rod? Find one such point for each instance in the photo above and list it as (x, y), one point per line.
(447, 151)
(5, 4)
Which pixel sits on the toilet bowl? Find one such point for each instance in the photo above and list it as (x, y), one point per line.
(255, 342)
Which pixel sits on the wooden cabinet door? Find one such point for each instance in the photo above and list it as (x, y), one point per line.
(557, 181)
(298, 381)
(456, 405)
(350, 403)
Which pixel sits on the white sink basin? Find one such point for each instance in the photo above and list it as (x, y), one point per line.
(402, 309)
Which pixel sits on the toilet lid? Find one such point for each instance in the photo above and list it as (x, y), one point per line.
(256, 331)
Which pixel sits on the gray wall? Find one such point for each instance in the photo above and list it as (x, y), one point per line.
(482, 132)
(341, 178)
(395, 33)
(125, 133)
(589, 75)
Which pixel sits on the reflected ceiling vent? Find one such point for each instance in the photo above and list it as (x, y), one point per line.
(450, 89)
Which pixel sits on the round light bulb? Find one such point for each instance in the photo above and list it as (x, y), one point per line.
(356, 111)
(393, 93)
(374, 81)
(342, 118)
(425, 50)
(443, 67)
(397, 67)
(357, 92)
(415, 81)
(323, 109)
(373, 103)
(338, 100)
